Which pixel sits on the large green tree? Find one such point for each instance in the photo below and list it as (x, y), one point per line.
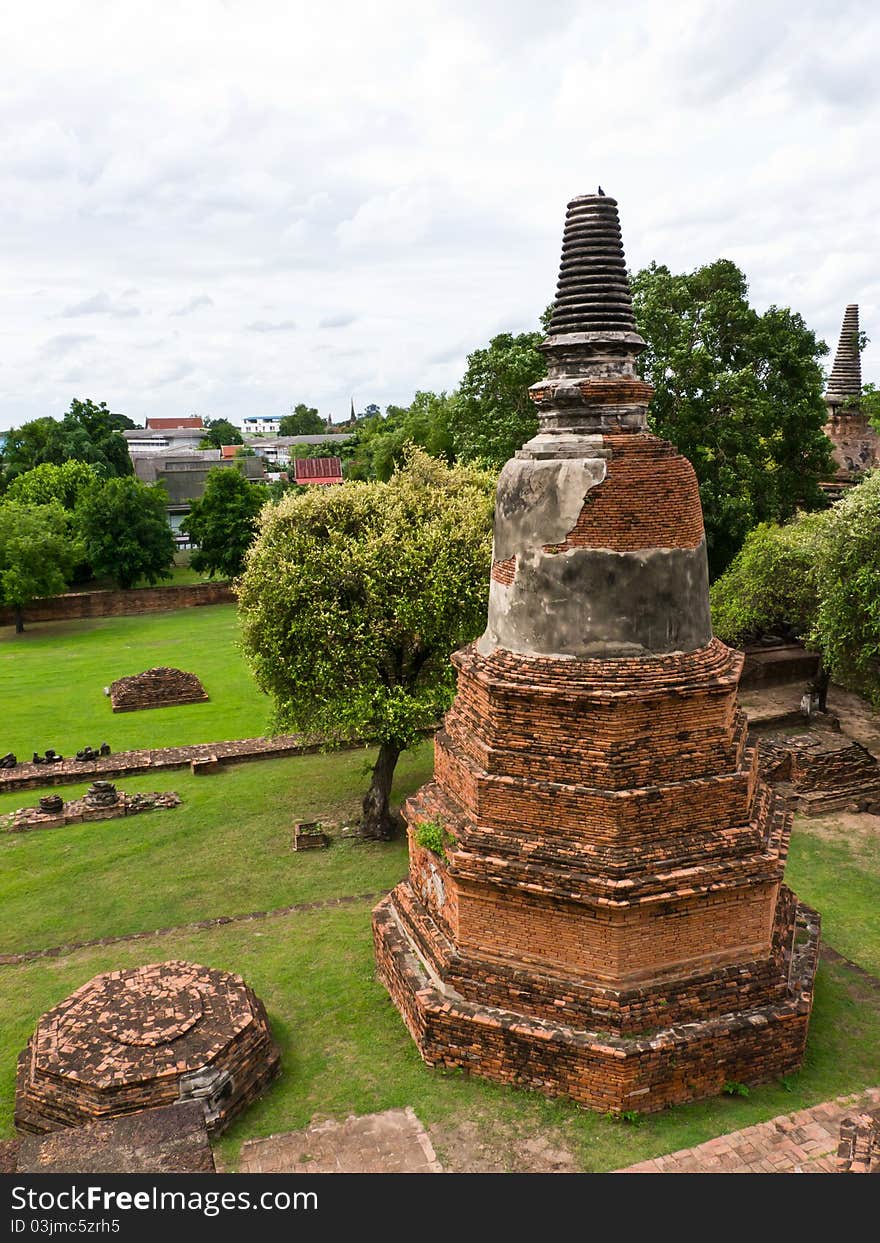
(223, 523)
(353, 598)
(221, 432)
(847, 623)
(37, 554)
(88, 432)
(303, 420)
(491, 414)
(68, 484)
(772, 584)
(738, 393)
(124, 526)
(818, 575)
(380, 441)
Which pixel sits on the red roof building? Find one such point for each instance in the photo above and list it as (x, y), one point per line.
(165, 425)
(319, 470)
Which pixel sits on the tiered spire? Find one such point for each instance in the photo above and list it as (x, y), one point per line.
(593, 293)
(846, 374)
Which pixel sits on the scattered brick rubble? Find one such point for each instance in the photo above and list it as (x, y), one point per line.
(309, 835)
(859, 1150)
(143, 1038)
(102, 802)
(156, 688)
(608, 920)
(819, 771)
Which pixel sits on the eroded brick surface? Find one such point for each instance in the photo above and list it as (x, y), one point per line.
(805, 1142)
(142, 1038)
(393, 1142)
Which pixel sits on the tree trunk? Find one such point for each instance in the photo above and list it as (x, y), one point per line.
(19, 620)
(823, 677)
(378, 822)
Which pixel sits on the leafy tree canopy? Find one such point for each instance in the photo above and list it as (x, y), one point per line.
(353, 598)
(125, 530)
(738, 393)
(88, 432)
(224, 522)
(302, 421)
(380, 442)
(221, 432)
(772, 584)
(67, 484)
(492, 414)
(847, 622)
(870, 403)
(37, 553)
(818, 576)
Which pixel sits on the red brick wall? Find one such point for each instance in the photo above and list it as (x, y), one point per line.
(667, 1067)
(624, 946)
(82, 604)
(648, 499)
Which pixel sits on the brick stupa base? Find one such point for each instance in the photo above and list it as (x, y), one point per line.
(144, 1038)
(156, 688)
(664, 1066)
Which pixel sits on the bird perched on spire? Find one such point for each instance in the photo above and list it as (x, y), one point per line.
(602, 192)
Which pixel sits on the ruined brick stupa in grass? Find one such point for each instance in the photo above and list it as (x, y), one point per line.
(856, 443)
(606, 918)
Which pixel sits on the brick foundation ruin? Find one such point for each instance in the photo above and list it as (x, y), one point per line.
(102, 802)
(156, 688)
(820, 770)
(145, 1038)
(607, 919)
(859, 1148)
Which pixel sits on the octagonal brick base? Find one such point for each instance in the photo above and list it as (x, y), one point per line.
(142, 1039)
(603, 1072)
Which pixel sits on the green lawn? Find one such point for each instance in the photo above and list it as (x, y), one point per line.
(836, 868)
(56, 673)
(225, 851)
(345, 1048)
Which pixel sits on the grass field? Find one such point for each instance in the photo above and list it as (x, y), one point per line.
(226, 851)
(345, 1049)
(56, 673)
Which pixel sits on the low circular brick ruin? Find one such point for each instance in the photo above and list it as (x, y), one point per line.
(156, 688)
(142, 1038)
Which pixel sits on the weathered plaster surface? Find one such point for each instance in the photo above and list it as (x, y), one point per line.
(594, 602)
(538, 502)
(585, 601)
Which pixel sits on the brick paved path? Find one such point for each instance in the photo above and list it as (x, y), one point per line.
(799, 1143)
(393, 1142)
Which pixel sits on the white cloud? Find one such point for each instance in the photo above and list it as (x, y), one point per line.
(264, 325)
(194, 304)
(218, 157)
(100, 304)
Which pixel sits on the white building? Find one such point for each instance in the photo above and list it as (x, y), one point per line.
(150, 440)
(261, 425)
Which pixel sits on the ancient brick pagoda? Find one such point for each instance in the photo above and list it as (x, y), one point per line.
(142, 1039)
(856, 443)
(607, 918)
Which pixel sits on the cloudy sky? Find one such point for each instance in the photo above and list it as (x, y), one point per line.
(225, 208)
